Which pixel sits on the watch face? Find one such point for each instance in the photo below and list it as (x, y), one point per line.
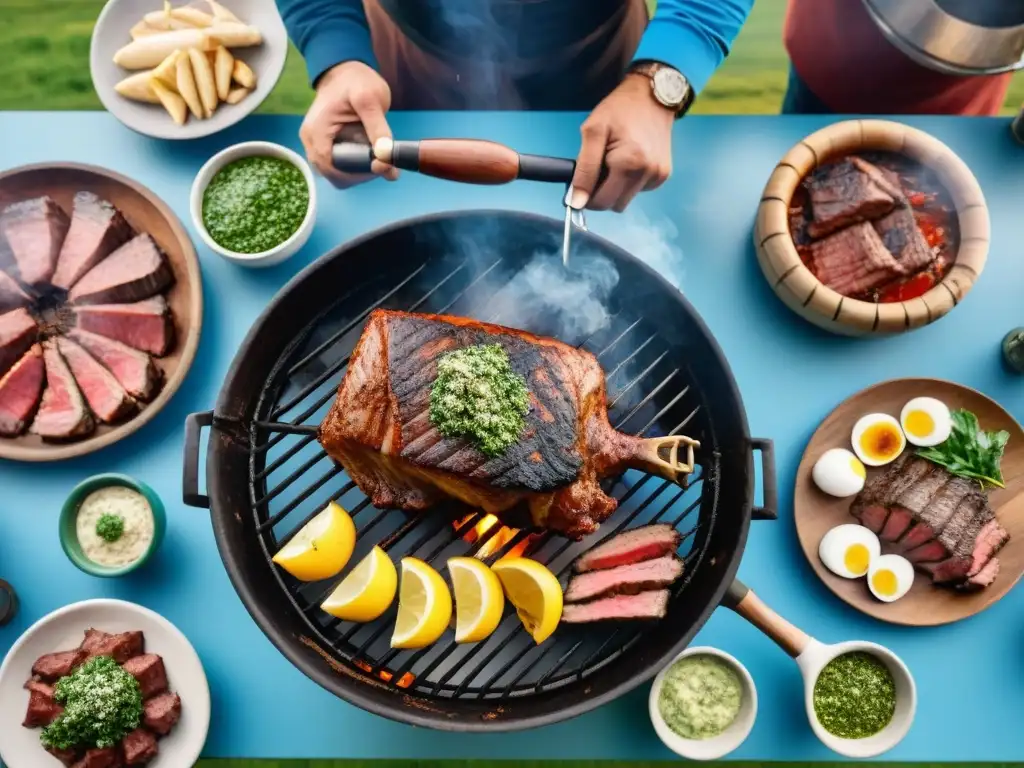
(670, 87)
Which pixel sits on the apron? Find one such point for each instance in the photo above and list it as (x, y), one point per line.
(503, 54)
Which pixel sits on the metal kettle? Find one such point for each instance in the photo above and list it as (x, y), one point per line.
(955, 37)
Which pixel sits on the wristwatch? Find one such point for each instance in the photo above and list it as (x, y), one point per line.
(669, 86)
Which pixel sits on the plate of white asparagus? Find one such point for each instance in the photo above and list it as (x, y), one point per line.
(182, 71)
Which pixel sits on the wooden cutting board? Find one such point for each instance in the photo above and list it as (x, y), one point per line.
(816, 513)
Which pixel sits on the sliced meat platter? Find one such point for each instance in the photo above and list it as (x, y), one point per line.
(82, 315)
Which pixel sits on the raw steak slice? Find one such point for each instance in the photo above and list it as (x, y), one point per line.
(843, 193)
(626, 579)
(135, 370)
(18, 332)
(12, 295)
(97, 229)
(853, 260)
(633, 546)
(105, 395)
(903, 239)
(135, 271)
(20, 391)
(146, 325)
(34, 230)
(645, 605)
(63, 414)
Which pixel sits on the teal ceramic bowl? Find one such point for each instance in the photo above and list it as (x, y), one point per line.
(69, 513)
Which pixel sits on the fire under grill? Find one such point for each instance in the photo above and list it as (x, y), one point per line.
(654, 389)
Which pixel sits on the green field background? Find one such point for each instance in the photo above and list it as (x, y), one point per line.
(44, 63)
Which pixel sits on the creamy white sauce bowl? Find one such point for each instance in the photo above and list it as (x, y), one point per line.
(729, 739)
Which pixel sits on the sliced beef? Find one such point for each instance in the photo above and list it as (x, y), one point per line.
(18, 332)
(896, 524)
(109, 757)
(919, 533)
(641, 606)
(161, 713)
(42, 709)
(34, 230)
(20, 391)
(12, 295)
(135, 271)
(633, 546)
(991, 539)
(146, 325)
(97, 229)
(119, 647)
(944, 503)
(54, 666)
(135, 370)
(149, 670)
(853, 260)
(625, 579)
(903, 239)
(66, 756)
(982, 578)
(874, 518)
(871, 506)
(842, 194)
(916, 498)
(101, 389)
(139, 747)
(63, 414)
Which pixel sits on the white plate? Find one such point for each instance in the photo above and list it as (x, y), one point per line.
(63, 630)
(112, 32)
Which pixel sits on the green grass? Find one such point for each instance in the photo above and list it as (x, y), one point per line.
(45, 63)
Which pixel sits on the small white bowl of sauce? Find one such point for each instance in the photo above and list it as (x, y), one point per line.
(695, 730)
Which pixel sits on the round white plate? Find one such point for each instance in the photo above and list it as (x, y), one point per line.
(112, 32)
(63, 630)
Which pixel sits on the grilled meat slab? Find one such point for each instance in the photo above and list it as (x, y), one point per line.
(642, 606)
(20, 391)
(134, 370)
(633, 546)
(135, 271)
(903, 239)
(625, 579)
(846, 193)
(854, 260)
(97, 229)
(379, 427)
(145, 325)
(34, 230)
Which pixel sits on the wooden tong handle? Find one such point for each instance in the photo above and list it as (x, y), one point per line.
(661, 456)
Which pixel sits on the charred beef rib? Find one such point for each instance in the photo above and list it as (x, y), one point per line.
(379, 428)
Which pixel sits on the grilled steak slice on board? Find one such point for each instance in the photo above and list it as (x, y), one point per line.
(135, 271)
(135, 370)
(379, 427)
(845, 193)
(20, 391)
(853, 260)
(641, 606)
(633, 546)
(625, 579)
(63, 414)
(103, 392)
(12, 295)
(34, 230)
(146, 325)
(18, 332)
(97, 229)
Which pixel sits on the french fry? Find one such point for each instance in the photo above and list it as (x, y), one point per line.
(187, 86)
(220, 13)
(233, 34)
(223, 66)
(243, 75)
(142, 29)
(173, 103)
(165, 21)
(147, 52)
(235, 95)
(137, 88)
(205, 83)
(192, 16)
(166, 71)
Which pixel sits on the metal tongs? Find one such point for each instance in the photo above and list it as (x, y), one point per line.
(471, 161)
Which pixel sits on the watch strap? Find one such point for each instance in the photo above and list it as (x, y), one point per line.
(649, 68)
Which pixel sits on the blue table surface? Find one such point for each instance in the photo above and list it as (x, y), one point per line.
(696, 230)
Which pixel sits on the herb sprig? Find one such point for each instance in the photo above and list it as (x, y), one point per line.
(970, 451)
(102, 703)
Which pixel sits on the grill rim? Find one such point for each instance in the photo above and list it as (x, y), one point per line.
(361, 690)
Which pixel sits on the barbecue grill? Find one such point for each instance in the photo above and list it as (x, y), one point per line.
(266, 474)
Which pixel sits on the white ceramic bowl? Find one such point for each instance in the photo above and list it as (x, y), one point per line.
(253, 149)
(814, 658)
(64, 629)
(718, 746)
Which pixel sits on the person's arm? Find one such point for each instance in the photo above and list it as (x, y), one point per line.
(693, 36)
(328, 32)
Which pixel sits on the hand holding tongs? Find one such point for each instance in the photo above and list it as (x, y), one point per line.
(471, 161)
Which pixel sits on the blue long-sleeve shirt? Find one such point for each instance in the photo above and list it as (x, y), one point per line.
(694, 36)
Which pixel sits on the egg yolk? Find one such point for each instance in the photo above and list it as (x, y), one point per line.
(856, 558)
(919, 423)
(880, 441)
(884, 582)
(858, 468)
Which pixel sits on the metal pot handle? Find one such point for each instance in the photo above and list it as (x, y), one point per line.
(190, 494)
(769, 509)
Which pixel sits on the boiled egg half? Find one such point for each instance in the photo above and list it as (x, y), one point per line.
(839, 473)
(890, 577)
(877, 439)
(849, 550)
(926, 421)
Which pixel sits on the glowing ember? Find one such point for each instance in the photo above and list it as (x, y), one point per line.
(494, 541)
(403, 682)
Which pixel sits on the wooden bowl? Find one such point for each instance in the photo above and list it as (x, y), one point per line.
(815, 512)
(801, 290)
(146, 213)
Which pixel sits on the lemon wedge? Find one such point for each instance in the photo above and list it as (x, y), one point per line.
(479, 600)
(322, 546)
(535, 592)
(367, 592)
(424, 606)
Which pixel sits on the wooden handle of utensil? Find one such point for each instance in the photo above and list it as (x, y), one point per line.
(472, 161)
(740, 598)
(669, 457)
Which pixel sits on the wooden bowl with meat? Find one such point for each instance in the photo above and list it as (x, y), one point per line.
(871, 227)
